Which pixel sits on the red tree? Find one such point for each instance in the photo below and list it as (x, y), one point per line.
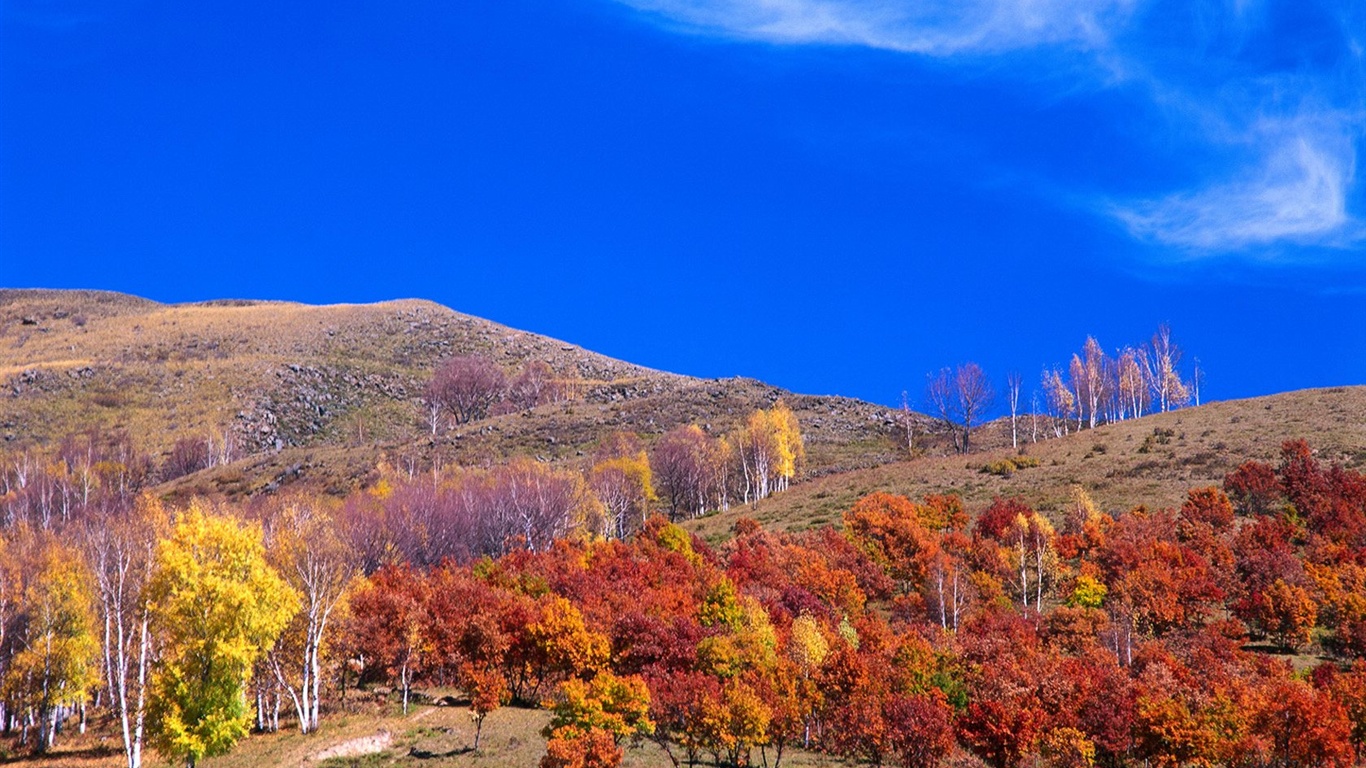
(386, 625)
(921, 728)
(1253, 487)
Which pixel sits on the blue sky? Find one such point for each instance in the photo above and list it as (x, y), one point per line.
(837, 196)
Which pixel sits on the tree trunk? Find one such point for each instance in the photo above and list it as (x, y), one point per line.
(1038, 580)
(317, 680)
(48, 739)
(404, 679)
(957, 601)
(943, 613)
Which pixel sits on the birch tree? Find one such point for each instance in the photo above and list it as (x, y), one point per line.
(960, 396)
(1090, 381)
(320, 567)
(120, 551)
(1034, 416)
(624, 486)
(680, 466)
(939, 394)
(908, 423)
(1131, 382)
(1197, 379)
(1164, 380)
(1061, 402)
(56, 663)
(1014, 383)
(974, 395)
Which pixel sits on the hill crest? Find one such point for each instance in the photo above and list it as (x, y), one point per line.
(337, 387)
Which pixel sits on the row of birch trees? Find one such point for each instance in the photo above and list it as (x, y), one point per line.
(1097, 388)
(1094, 388)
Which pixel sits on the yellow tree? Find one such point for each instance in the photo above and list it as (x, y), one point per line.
(619, 706)
(593, 717)
(1033, 551)
(770, 449)
(625, 487)
(57, 659)
(566, 647)
(733, 722)
(788, 436)
(808, 649)
(218, 606)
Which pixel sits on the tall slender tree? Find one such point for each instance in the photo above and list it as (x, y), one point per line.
(1164, 380)
(1014, 383)
(974, 395)
(120, 548)
(319, 566)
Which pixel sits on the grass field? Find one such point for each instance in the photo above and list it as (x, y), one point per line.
(1151, 461)
(433, 736)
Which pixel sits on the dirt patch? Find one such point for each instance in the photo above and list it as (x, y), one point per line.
(365, 745)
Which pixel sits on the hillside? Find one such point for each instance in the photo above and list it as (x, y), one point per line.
(1152, 461)
(319, 397)
(321, 394)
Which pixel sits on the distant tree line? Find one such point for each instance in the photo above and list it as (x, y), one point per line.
(1093, 389)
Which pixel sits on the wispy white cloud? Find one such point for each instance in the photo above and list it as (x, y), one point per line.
(1300, 172)
(1271, 174)
(930, 27)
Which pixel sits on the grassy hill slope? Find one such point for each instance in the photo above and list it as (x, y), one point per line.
(1153, 460)
(320, 394)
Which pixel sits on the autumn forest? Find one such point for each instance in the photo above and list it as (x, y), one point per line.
(1227, 629)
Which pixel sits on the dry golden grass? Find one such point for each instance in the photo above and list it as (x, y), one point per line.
(85, 359)
(1152, 461)
(339, 387)
(427, 736)
(162, 371)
